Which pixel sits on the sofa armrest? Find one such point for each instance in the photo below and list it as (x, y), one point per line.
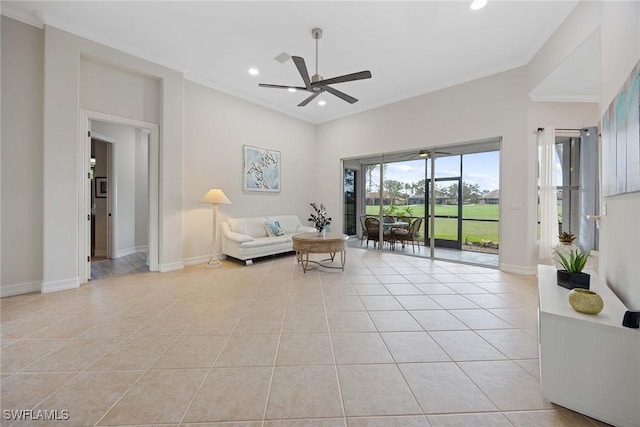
(235, 237)
(305, 229)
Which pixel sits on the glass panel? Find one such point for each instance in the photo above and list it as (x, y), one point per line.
(404, 186)
(447, 167)
(372, 188)
(350, 202)
(446, 210)
(446, 228)
(480, 236)
(481, 201)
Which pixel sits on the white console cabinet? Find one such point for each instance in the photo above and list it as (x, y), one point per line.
(589, 364)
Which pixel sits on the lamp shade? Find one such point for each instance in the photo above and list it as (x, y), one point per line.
(215, 196)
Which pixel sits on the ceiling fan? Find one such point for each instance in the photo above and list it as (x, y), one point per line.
(316, 84)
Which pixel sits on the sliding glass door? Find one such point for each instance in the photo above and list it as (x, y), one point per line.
(457, 202)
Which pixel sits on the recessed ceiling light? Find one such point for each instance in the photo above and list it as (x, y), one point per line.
(322, 102)
(254, 71)
(478, 4)
(423, 153)
(292, 89)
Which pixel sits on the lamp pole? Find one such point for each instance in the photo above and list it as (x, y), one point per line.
(215, 196)
(214, 262)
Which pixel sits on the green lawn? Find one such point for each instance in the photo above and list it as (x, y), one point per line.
(446, 228)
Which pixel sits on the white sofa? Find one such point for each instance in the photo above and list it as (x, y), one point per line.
(247, 238)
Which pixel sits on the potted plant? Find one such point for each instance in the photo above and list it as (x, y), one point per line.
(320, 218)
(566, 238)
(571, 275)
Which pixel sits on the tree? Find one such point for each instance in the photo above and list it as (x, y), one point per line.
(419, 188)
(471, 193)
(394, 189)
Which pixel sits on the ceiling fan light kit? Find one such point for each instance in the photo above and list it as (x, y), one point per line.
(316, 84)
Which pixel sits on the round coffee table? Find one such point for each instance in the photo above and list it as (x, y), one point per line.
(329, 243)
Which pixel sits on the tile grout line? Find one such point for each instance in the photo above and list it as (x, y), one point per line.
(213, 364)
(275, 356)
(333, 354)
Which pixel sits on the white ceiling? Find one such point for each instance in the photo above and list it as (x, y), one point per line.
(411, 47)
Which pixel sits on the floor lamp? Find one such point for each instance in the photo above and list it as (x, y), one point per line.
(216, 197)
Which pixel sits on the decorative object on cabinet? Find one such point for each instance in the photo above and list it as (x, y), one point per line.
(585, 301)
(571, 275)
(631, 319)
(566, 238)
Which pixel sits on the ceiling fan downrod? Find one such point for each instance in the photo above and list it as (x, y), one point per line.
(316, 33)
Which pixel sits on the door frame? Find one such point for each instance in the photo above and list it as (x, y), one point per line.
(84, 191)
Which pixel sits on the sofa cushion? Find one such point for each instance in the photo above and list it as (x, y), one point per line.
(288, 223)
(265, 241)
(273, 228)
(253, 227)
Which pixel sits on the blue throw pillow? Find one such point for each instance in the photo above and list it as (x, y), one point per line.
(273, 228)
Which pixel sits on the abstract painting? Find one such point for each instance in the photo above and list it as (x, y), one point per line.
(621, 139)
(261, 169)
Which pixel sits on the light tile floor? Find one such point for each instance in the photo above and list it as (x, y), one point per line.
(392, 341)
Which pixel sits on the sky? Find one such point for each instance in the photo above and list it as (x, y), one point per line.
(479, 168)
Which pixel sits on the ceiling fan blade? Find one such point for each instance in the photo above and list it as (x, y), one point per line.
(302, 69)
(341, 95)
(281, 86)
(309, 99)
(346, 78)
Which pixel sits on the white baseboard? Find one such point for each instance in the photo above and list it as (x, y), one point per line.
(519, 269)
(100, 253)
(20, 288)
(60, 285)
(144, 248)
(125, 252)
(171, 266)
(197, 260)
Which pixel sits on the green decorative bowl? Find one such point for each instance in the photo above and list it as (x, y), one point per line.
(585, 301)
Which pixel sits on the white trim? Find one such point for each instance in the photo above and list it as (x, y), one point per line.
(144, 248)
(103, 138)
(60, 285)
(196, 260)
(155, 231)
(172, 266)
(125, 252)
(563, 98)
(519, 269)
(20, 288)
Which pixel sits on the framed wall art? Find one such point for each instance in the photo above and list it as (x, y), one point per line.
(261, 169)
(621, 139)
(101, 187)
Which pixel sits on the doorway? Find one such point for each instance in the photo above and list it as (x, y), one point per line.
(120, 189)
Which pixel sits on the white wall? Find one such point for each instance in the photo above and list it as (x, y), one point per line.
(575, 29)
(62, 130)
(22, 177)
(216, 128)
(123, 185)
(108, 89)
(620, 228)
